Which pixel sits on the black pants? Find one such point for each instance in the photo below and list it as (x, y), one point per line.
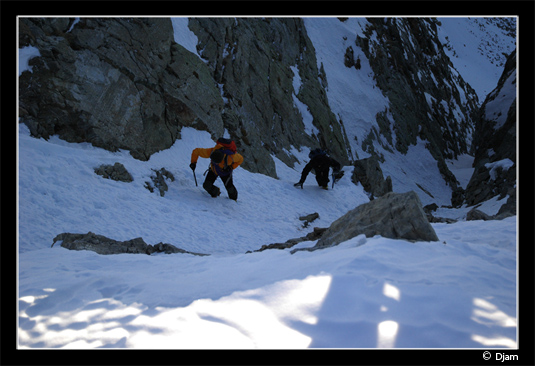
(214, 191)
(322, 177)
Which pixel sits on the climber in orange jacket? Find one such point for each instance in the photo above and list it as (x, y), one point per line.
(223, 160)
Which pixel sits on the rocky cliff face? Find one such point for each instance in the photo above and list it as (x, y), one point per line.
(428, 98)
(255, 63)
(494, 144)
(117, 83)
(124, 83)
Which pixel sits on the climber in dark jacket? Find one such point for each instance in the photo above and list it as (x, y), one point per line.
(320, 162)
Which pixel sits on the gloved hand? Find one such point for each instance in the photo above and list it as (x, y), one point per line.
(299, 184)
(193, 166)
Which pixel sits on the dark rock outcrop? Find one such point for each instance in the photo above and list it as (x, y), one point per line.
(308, 219)
(394, 215)
(117, 83)
(414, 72)
(429, 209)
(115, 172)
(314, 235)
(159, 181)
(475, 214)
(368, 173)
(103, 245)
(508, 209)
(494, 145)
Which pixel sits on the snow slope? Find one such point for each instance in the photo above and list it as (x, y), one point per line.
(478, 49)
(365, 293)
(460, 292)
(353, 94)
(474, 45)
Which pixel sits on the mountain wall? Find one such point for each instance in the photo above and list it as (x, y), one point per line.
(494, 146)
(428, 98)
(256, 63)
(117, 83)
(124, 83)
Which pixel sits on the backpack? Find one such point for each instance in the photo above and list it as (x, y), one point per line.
(220, 155)
(228, 144)
(316, 152)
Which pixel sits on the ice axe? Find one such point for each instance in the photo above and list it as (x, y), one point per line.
(334, 180)
(192, 166)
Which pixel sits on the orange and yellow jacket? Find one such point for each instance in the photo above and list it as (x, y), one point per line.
(233, 160)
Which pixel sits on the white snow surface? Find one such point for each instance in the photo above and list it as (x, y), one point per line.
(460, 292)
(183, 35)
(353, 94)
(25, 55)
(496, 109)
(476, 47)
(375, 292)
(504, 164)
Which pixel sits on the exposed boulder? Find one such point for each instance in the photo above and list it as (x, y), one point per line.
(314, 235)
(103, 245)
(434, 219)
(159, 181)
(115, 172)
(394, 215)
(475, 214)
(368, 173)
(508, 209)
(307, 219)
(490, 180)
(429, 209)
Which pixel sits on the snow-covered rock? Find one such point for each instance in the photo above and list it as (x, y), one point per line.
(368, 173)
(394, 215)
(106, 246)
